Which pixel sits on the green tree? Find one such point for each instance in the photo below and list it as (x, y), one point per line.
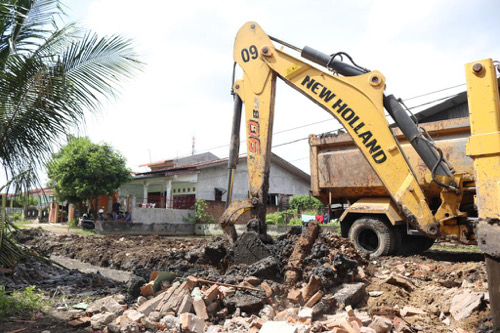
(24, 200)
(49, 76)
(82, 170)
(301, 202)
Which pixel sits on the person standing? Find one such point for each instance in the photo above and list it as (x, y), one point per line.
(101, 213)
(116, 210)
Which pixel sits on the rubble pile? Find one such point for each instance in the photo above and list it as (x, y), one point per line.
(196, 305)
(307, 281)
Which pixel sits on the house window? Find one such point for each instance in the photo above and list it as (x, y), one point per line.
(218, 193)
(273, 199)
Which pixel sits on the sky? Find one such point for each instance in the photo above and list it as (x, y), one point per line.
(187, 46)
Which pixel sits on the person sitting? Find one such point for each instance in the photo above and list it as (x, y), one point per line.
(128, 217)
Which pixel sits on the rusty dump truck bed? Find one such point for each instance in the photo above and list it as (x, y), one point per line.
(339, 169)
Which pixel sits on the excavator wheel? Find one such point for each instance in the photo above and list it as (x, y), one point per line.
(373, 236)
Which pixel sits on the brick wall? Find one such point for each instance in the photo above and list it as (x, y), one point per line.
(217, 208)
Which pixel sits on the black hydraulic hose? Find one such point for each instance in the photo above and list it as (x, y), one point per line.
(433, 172)
(234, 148)
(422, 146)
(328, 61)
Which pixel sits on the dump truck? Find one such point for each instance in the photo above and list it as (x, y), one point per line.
(440, 200)
(344, 180)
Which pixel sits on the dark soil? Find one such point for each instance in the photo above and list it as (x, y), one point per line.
(437, 274)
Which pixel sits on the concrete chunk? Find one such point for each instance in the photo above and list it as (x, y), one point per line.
(277, 326)
(191, 323)
(100, 320)
(350, 294)
(134, 315)
(112, 306)
(381, 324)
(463, 305)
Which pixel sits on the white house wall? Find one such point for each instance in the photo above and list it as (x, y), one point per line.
(209, 179)
(280, 181)
(283, 181)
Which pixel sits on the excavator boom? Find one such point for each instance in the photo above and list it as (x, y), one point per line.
(356, 101)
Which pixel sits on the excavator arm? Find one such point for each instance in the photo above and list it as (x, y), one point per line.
(484, 148)
(357, 101)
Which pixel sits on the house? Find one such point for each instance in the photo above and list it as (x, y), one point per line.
(176, 184)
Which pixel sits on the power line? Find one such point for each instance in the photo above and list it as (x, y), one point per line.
(289, 142)
(330, 119)
(434, 92)
(434, 101)
(317, 122)
(279, 132)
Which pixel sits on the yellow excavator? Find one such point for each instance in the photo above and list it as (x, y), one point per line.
(355, 97)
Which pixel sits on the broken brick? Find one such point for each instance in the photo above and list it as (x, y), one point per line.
(186, 304)
(267, 289)
(211, 294)
(313, 285)
(200, 309)
(253, 280)
(295, 296)
(400, 281)
(314, 299)
(150, 305)
(411, 311)
(79, 322)
(227, 291)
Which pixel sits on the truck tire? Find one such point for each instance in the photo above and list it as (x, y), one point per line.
(373, 236)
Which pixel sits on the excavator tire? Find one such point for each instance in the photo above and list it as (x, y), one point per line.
(373, 236)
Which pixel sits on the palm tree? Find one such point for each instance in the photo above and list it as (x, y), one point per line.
(49, 77)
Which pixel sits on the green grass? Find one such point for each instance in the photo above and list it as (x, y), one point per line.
(451, 248)
(22, 303)
(22, 224)
(77, 230)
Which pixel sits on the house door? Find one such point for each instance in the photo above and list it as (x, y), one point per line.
(185, 201)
